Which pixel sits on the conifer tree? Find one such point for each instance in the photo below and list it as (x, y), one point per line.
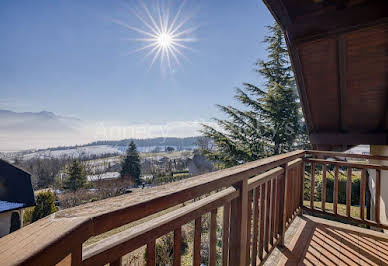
(130, 166)
(76, 176)
(45, 205)
(271, 121)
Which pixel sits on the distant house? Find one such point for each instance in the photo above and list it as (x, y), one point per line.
(16, 193)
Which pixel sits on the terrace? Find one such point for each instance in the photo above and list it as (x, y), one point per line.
(260, 202)
(339, 55)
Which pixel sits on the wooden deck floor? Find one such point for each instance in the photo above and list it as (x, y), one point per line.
(315, 241)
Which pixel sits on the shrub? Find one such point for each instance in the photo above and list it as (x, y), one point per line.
(342, 180)
(45, 205)
(27, 216)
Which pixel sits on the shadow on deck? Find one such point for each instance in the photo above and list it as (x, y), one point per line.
(316, 241)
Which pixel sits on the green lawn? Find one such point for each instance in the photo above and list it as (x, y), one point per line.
(341, 208)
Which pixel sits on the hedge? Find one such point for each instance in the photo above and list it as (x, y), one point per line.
(342, 180)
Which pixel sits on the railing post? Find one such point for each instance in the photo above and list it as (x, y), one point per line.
(238, 225)
(283, 206)
(301, 194)
(76, 256)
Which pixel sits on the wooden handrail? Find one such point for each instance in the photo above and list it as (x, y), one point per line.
(347, 155)
(51, 239)
(359, 165)
(111, 248)
(363, 166)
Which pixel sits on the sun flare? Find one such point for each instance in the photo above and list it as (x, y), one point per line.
(164, 40)
(164, 36)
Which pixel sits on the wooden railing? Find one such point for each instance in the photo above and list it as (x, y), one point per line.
(257, 200)
(337, 162)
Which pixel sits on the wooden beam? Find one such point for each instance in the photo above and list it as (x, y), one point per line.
(296, 64)
(330, 21)
(341, 57)
(279, 12)
(349, 138)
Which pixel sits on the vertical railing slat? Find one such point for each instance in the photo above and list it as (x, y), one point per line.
(294, 191)
(279, 181)
(262, 220)
(255, 225)
(177, 246)
(267, 217)
(116, 262)
(362, 194)
(197, 242)
(312, 185)
(238, 225)
(378, 195)
(213, 238)
(297, 187)
(273, 212)
(282, 206)
(335, 190)
(150, 253)
(249, 221)
(289, 199)
(301, 195)
(348, 191)
(225, 234)
(324, 183)
(76, 256)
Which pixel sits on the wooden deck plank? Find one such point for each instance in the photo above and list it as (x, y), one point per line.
(316, 241)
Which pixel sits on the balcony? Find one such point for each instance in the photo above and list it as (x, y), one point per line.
(261, 207)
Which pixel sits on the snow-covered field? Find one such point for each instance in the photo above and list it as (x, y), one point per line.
(84, 151)
(74, 152)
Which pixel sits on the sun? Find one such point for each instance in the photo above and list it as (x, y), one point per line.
(164, 37)
(164, 40)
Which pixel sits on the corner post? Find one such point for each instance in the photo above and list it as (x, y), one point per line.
(238, 225)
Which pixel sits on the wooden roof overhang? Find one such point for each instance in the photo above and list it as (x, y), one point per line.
(339, 53)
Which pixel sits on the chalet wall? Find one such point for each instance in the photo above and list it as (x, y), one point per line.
(5, 221)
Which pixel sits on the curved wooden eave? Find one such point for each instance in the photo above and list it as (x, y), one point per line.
(339, 53)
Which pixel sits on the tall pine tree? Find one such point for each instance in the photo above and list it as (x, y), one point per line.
(271, 121)
(130, 167)
(76, 176)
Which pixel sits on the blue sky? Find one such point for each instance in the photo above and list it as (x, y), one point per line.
(69, 57)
